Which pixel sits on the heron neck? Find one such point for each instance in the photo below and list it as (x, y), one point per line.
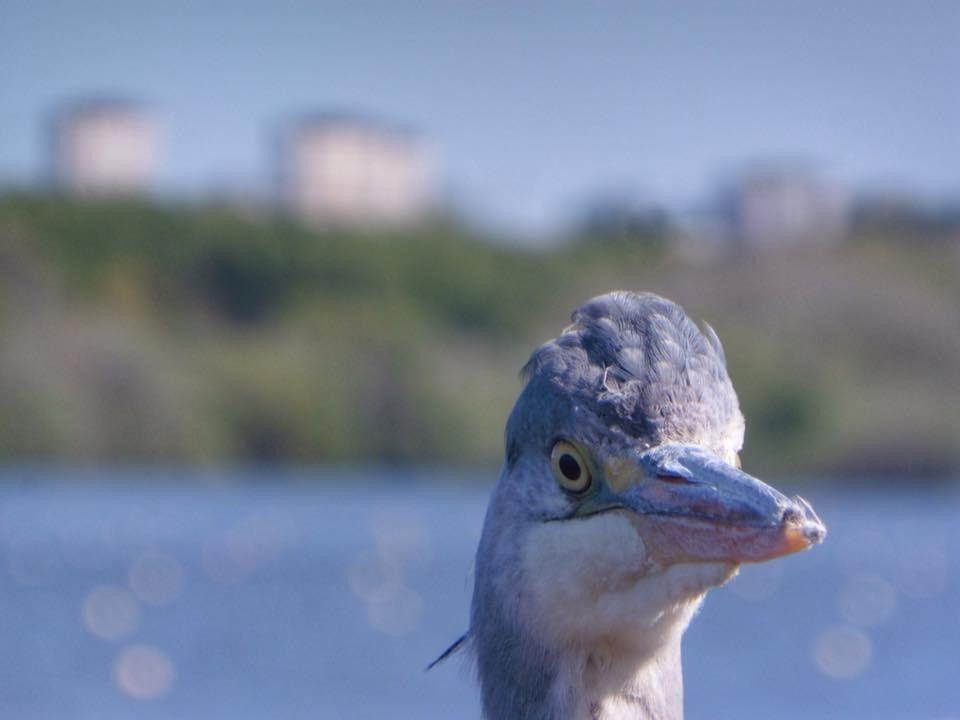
(616, 684)
(599, 683)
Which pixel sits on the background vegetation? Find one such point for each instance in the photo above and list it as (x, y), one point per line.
(135, 333)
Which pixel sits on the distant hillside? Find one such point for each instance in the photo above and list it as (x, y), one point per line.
(136, 333)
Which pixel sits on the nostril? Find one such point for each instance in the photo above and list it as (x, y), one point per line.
(793, 515)
(675, 479)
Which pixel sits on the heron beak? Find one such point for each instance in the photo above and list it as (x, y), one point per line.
(688, 505)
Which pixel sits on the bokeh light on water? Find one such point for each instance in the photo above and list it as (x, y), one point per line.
(143, 672)
(379, 576)
(842, 652)
(268, 598)
(156, 578)
(233, 555)
(110, 612)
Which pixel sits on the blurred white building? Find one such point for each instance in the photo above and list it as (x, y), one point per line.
(781, 205)
(342, 170)
(104, 148)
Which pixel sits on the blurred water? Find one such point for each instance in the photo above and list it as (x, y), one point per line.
(163, 597)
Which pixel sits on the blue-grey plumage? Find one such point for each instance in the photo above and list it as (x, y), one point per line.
(619, 505)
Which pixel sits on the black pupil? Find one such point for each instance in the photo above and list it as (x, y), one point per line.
(569, 467)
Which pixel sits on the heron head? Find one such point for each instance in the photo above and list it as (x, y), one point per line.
(622, 500)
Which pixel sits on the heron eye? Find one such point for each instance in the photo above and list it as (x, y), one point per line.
(569, 467)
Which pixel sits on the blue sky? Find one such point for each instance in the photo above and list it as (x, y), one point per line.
(531, 107)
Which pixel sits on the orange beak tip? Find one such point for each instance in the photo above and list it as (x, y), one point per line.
(803, 535)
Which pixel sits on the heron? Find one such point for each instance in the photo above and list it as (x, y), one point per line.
(620, 503)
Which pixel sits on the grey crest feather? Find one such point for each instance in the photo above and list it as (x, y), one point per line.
(637, 364)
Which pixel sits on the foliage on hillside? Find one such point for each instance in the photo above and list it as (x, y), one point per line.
(139, 333)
